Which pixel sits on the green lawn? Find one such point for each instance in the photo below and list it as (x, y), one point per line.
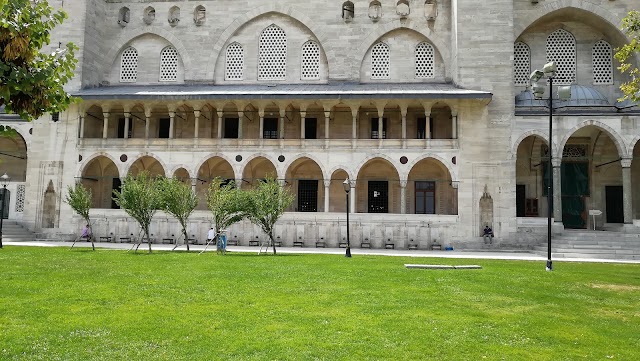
(61, 304)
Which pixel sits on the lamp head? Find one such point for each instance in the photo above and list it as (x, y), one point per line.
(550, 68)
(538, 90)
(4, 180)
(535, 76)
(346, 185)
(564, 92)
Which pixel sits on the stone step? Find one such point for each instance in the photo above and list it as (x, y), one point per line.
(589, 244)
(614, 251)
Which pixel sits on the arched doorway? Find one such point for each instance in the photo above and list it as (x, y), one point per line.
(210, 169)
(531, 194)
(591, 178)
(13, 157)
(307, 183)
(635, 181)
(257, 169)
(101, 177)
(336, 192)
(430, 189)
(378, 187)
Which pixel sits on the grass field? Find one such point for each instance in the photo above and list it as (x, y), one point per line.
(61, 304)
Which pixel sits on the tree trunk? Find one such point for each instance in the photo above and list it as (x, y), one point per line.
(91, 234)
(184, 232)
(146, 234)
(272, 242)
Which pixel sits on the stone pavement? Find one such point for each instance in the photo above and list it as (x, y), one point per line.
(506, 255)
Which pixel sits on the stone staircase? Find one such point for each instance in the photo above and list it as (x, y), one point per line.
(593, 244)
(13, 232)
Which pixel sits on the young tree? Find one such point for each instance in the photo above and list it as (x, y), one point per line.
(628, 53)
(177, 199)
(138, 196)
(79, 198)
(31, 82)
(267, 202)
(227, 203)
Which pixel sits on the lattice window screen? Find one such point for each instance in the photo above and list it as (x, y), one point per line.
(602, 63)
(424, 61)
(129, 65)
(272, 54)
(234, 67)
(521, 63)
(310, 60)
(20, 193)
(380, 61)
(561, 48)
(169, 64)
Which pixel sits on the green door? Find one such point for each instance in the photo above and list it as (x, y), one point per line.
(575, 187)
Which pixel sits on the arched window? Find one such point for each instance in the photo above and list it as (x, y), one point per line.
(129, 65)
(348, 11)
(602, 63)
(310, 68)
(561, 48)
(272, 54)
(199, 15)
(234, 62)
(424, 59)
(380, 61)
(521, 63)
(169, 64)
(123, 16)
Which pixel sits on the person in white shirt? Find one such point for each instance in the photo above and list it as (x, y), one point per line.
(211, 235)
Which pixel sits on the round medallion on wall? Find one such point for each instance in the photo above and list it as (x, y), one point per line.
(123, 158)
(238, 158)
(404, 160)
(453, 160)
(79, 157)
(281, 158)
(30, 130)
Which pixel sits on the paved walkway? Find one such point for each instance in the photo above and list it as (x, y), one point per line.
(509, 255)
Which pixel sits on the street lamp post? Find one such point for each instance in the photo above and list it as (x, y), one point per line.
(4, 179)
(549, 70)
(347, 188)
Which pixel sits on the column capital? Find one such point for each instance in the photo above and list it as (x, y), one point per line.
(625, 162)
(403, 183)
(327, 183)
(105, 114)
(196, 113)
(556, 162)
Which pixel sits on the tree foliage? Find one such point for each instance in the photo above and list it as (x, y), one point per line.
(267, 203)
(227, 203)
(628, 53)
(79, 199)
(177, 199)
(31, 82)
(139, 197)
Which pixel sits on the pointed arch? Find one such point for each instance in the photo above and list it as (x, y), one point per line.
(315, 159)
(447, 164)
(535, 132)
(272, 53)
(615, 137)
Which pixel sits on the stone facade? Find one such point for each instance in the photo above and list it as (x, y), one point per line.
(413, 101)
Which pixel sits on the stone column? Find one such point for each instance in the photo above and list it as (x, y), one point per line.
(327, 117)
(81, 135)
(261, 114)
(352, 195)
(403, 112)
(557, 191)
(627, 191)
(194, 183)
(281, 124)
(147, 123)
(105, 124)
(403, 196)
(196, 127)
(354, 126)
(127, 117)
(327, 183)
(172, 118)
(454, 124)
(427, 125)
(240, 118)
(303, 120)
(220, 120)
